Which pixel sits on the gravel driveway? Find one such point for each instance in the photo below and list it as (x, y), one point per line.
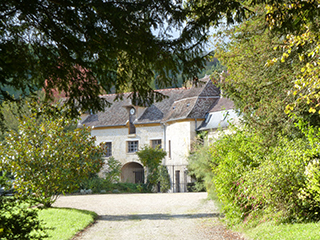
(150, 216)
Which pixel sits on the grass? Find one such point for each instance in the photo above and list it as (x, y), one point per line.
(270, 231)
(64, 223)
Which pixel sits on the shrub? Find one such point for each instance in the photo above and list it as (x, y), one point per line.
(199, 167)
(151, 158)
(18, 220)
(113, 171)
(281, 182)
(96, 184)
(273, 188)
(46, 158)
(131, 187)
(232, 156)
(164, 179)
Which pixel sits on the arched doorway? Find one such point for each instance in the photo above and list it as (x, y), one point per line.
(132, 172)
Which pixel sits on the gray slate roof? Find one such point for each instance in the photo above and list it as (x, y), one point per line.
(181, 103)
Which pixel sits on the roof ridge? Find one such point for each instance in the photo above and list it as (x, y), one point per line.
(156, 90)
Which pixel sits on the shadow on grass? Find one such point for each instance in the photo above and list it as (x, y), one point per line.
(133, 217)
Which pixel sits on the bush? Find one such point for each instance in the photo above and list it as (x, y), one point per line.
(47, 158)
(281, 182)
(151, 158)
(164, 179)
(113, 171)
(97, 184)
(199, 169)
(18, 220)
(273, 188)
(131, 187)
(232, 156)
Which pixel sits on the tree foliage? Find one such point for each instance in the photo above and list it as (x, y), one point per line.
(151, 158)
(46, 158)
(272, 61)
(295, 23)
(86, 48)
(258, 88)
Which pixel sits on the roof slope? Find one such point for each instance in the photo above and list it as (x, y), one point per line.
(181, 103)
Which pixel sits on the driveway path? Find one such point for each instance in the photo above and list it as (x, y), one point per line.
(185, 216)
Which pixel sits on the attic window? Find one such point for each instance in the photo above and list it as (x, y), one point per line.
(208, 117)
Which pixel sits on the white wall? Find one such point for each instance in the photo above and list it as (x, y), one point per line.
(181, 135)
(120, 136)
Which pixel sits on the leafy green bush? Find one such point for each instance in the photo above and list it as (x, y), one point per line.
(113, 171)
(273, 188)
(47, 158)
(281, 182)
(151, 158)
(18, 220)
(164, 179)
(131, 187)
(96, 184)
(232, 156)
(199, 167)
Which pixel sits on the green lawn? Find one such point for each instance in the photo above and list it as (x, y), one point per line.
(64, 223)
(298, 231)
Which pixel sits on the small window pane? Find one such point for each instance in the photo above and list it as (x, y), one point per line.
(156, 143)
(107, 149)
(132, 146)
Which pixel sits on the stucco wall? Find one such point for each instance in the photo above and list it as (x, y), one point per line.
(119, 137)
(180, 134)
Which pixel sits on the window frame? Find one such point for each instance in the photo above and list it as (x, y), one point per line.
(107, 150)
(131, 148)
(153, 143)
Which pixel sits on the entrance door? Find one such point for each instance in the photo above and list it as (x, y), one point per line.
(139, 176)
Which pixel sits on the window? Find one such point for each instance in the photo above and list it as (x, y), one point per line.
(169, 148)
(132, 146)
(107, 149)
(156, 143)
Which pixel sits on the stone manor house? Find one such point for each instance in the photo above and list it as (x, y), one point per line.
(172, 124)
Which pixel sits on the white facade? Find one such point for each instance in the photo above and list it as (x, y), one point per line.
(176, 139)
(125, 128)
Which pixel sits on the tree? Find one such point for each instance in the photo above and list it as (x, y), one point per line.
(296, 23)
(87, 47)
(151, 158)
(46, 158)
(260, 90)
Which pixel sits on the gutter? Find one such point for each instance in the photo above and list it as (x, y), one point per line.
(102, 126)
